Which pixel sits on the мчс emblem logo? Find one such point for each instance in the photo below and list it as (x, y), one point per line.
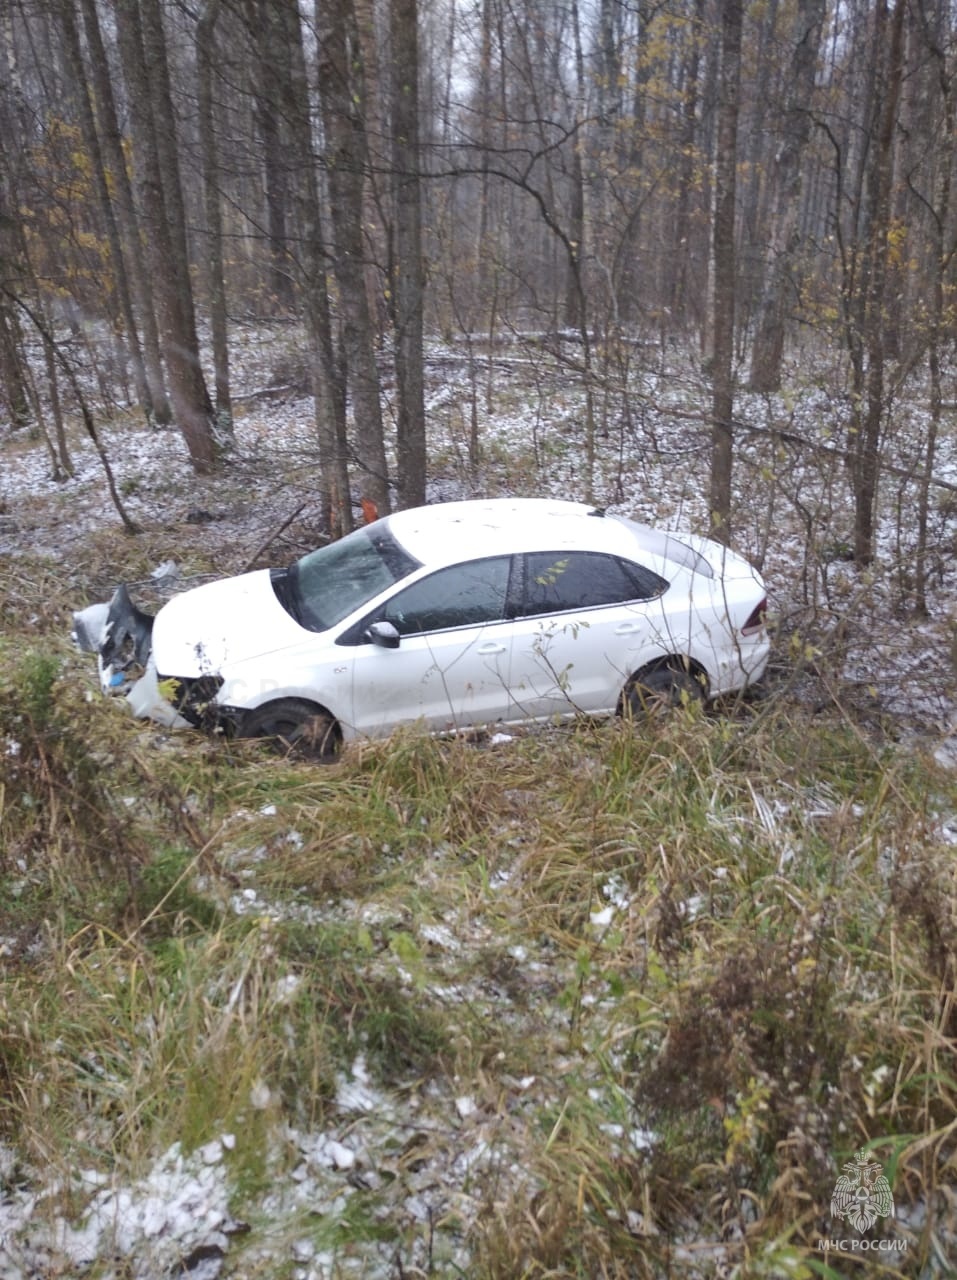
(862, 1194)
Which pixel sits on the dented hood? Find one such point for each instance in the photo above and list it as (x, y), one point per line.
(218, 625)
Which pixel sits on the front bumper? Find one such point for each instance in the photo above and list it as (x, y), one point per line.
(121, 636)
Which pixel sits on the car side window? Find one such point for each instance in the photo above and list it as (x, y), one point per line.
(462, 595)
(560, 580)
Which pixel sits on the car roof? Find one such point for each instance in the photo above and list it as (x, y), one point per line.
(451, 532)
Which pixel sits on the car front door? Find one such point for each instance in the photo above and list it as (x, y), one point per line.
(449, 669)
(586, 622)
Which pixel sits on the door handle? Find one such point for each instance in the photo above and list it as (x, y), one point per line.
(627, 628)
(490, 647)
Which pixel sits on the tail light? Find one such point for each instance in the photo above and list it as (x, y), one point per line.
(756, 619)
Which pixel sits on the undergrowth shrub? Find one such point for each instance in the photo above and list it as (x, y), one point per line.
(61, 823)
(164, 900)
(924, 896)
(363, 1005)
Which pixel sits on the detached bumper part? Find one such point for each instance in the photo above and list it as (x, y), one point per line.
(121, 635)
(125, 643)
(127, 635)
(88, 627)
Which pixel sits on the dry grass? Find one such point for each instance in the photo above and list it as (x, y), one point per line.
(680, 972)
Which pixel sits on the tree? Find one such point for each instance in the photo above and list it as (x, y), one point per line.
(722, 370)
(935, 35)
(868, 407)
(342, 99)
(74, 58)
(205, 59)
(677, 301)
(311, 265)
(268, 25)
(139, 24)
(13, 374)
(786, 182)
(408, 283)
(121, 195)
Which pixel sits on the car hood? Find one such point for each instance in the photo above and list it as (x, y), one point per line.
(204, 630)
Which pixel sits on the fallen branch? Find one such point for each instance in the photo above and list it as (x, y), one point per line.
(828, 450)
(272, 537)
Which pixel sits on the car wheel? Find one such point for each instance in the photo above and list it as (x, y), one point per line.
(662, 688)
(295, 728)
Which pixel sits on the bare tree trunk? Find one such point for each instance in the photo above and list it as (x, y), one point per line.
(342, 102)
(934, 26)
(572, 311)
(62, 455)
(701, 297)
(780, 265)
(866, 445)
(114, 163)
(687, 140)
(372, 27)
(327, 380)
(408, 282)
(488, 268)
(12, 376)
(205, 57)
(268, 27)
(161, 202)
(74, 58)
(722, 387)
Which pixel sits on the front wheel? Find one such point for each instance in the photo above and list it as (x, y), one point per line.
(662, 688)
(294, 727)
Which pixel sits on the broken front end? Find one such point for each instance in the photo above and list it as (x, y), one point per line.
(121, 635)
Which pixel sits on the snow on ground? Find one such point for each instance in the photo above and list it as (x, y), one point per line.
(176, 1218)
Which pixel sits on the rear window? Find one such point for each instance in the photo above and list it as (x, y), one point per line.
(667, 545)
(557, 581)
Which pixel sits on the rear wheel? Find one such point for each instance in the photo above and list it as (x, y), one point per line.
(663, 687)
(294, 727)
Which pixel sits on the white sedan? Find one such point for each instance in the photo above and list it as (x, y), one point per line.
(455, 616)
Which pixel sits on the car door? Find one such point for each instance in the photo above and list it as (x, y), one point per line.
(450, 666)
(586, 622)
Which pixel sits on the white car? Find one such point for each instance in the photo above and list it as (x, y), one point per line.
(455, 616)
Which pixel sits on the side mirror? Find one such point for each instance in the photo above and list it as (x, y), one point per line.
(383, 634)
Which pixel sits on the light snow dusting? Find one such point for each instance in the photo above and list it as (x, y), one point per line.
(442, 1153)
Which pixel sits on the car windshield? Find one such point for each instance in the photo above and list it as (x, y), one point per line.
(327, 585)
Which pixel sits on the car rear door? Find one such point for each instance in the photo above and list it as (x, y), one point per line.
(586, 622)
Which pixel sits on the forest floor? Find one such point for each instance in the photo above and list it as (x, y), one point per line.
(578, 1002)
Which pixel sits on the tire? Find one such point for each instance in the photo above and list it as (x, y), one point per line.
(295, 728)
(662, 689)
